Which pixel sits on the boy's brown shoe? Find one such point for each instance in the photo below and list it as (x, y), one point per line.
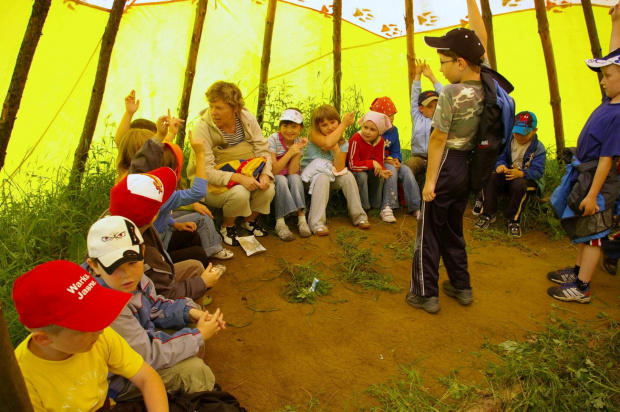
(431, 305)
(463, 296)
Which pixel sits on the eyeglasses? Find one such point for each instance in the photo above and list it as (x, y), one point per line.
(446, 61)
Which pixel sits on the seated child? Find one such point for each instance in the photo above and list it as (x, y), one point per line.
(423, 106)
(138, 197)
(285, 148)
(115, 250)
(520, 168)
(326, 142)
(66, 358)
(193, 235)
(393, 160)
(365, 160)
(586, 213)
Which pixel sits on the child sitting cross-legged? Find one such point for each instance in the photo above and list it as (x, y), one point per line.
(66, 358)
(285, 148)
(520, 168)
(365, 160)
(115, 250)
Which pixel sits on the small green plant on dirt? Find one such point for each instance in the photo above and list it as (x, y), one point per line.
(299, 289)
(566, 367)
(404, 247)
(357, 265)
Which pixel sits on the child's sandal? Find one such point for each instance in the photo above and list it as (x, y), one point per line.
(321, 231)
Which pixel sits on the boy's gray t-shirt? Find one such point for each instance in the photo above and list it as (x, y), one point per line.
(458, 113)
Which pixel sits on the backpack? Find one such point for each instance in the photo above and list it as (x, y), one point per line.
(207, 401)
(495, 127)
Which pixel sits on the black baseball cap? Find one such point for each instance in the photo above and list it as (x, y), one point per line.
(463, 42)
(427, 97)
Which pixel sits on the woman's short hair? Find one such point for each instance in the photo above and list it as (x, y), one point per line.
(228, 92)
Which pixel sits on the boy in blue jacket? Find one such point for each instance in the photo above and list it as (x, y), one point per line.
(520, 168)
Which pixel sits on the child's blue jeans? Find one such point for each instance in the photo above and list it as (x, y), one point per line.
(290, 196)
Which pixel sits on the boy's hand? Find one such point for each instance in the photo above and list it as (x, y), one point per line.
(209, 325)
(185, 226)
(131, 104)
(377, 167)
(211, 276)
(512, 174)
(195, 315)
(174, 126)
(390, 161)
(501, 169)
(397, 164)
(588, 206)
(162, 127)
(198, 145)
(428, 193)
(419, 66)
(348, 119)
(426, 70)
(202, 209)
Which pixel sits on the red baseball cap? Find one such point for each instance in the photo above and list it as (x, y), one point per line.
(64, 294)
(138, 197)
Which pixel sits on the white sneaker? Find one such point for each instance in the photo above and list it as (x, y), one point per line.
(387, 215)
(284, 233)
(304, 229)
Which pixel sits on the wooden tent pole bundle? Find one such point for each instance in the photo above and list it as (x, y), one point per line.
(265, 60)
(337, 53)
(410, 47)
(595, 45)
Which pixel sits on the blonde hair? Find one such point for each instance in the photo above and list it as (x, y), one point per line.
(131, 142)
(228, 92)
(324, 112)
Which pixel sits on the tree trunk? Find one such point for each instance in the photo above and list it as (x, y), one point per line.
(13, 390)
(107, 44)
(552, 75)
(265, 60)
(595, 45)
(190, 68)
(487, 18)
(410, 49)
(337, 53)
(20, 73)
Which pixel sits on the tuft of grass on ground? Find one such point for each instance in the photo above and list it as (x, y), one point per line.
(566, 367)
(299, 288)
(357, 265)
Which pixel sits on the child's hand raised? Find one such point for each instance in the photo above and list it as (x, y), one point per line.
(198, 145)
(348, 119)
(131, 104)
(419, 65)
(426, 70)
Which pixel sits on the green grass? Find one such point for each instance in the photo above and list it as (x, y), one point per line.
(358, 265)
(43, 221)
(297, 289)
(566, 367)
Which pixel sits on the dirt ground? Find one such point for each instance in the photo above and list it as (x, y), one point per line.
(284, 353)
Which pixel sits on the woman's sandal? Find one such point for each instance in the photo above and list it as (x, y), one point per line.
(321, 231)
(223, 254)
(363, 224)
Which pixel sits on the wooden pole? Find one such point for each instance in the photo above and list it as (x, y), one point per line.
(595, 45)
(410, 48)
(552, 75)
(487, 18)
(190, 68)
(337, 53)
(265, 60)
(107, 44)
(20, 73)
(13, 390)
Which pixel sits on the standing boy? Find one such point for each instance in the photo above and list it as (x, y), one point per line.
(446, 190)
(599, 142)
(66, 358)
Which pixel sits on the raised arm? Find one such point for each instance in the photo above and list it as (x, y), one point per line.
(476, 23)
(131, 106)
(327, 142)
(614, 12)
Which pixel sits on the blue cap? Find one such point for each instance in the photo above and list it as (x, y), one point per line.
(525, 122)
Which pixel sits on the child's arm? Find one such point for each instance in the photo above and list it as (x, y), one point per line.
(294, 152)
(131, 106)
(538, 164)
(325, 142)
(436, 145)
(199, 149)
(614, 12)
(152, 388)
(356, 163)
(340, 158)
(476, 23)
(428, 73)
(588, 204)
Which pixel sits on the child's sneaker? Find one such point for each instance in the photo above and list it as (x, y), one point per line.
(304, 229)
(229, 235)
(514, 228)
(284, 233)
(477, 208)
(463, 296)
(417, 214)
(610, 265)
(431, 305)
(387, 215)
(570, 292)
(254, 228)
(484, 221)
(562, 275)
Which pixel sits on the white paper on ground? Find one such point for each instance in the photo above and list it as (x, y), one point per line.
(251, 245)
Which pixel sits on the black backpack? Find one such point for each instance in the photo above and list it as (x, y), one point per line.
(207, 401)
(495, 127)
